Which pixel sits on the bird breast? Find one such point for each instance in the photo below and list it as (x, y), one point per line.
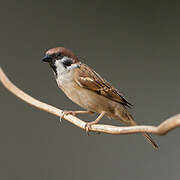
(85, 98)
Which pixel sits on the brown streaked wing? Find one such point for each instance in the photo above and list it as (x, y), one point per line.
(89, 79)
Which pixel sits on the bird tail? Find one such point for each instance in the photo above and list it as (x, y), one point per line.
(146, 135)
(150, 140)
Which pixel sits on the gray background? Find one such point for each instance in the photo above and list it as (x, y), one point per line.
(133, 44)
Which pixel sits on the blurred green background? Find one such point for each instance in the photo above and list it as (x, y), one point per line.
(132, 44)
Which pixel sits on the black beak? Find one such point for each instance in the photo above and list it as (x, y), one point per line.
(47, 58)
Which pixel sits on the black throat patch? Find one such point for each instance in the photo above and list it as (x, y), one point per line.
(52, 65)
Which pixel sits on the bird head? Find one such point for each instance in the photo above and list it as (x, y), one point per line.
(61, 60)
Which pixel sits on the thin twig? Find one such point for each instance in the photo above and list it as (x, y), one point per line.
(162, 129)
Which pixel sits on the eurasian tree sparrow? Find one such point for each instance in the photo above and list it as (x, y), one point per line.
(88, 89)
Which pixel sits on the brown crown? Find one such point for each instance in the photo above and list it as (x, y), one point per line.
(64, 51)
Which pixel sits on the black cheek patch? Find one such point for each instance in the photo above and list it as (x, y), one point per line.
(67, 62)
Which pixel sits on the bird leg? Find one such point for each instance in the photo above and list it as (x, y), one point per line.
(74, 113)
(88, 125)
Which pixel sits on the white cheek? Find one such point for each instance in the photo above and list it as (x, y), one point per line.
(60, 68)
(64, 75)
(63, 70)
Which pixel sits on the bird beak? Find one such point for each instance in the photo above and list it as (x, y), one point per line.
(47, 58)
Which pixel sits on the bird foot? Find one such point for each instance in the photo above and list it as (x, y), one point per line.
(87, 129)
(88, 125)
(65, 113)
(73, 113)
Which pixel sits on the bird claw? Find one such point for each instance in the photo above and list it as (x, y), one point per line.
(73, 113)
(87, 129)
(64, 113)
(60, 119)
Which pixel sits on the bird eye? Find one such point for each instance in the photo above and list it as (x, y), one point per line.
(67, 62)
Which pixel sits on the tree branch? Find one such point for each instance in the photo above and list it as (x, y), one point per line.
(162, 129)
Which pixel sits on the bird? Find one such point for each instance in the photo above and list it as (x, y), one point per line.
(88, 89)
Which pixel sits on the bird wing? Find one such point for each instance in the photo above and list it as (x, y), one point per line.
(89, 79)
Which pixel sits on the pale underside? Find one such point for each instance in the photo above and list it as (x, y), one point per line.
(87, 89)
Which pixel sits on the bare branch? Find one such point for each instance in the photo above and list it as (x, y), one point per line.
(162, 129)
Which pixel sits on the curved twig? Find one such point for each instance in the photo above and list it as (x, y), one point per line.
(162, 129)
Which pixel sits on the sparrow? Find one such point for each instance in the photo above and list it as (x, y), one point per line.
(88, 89)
